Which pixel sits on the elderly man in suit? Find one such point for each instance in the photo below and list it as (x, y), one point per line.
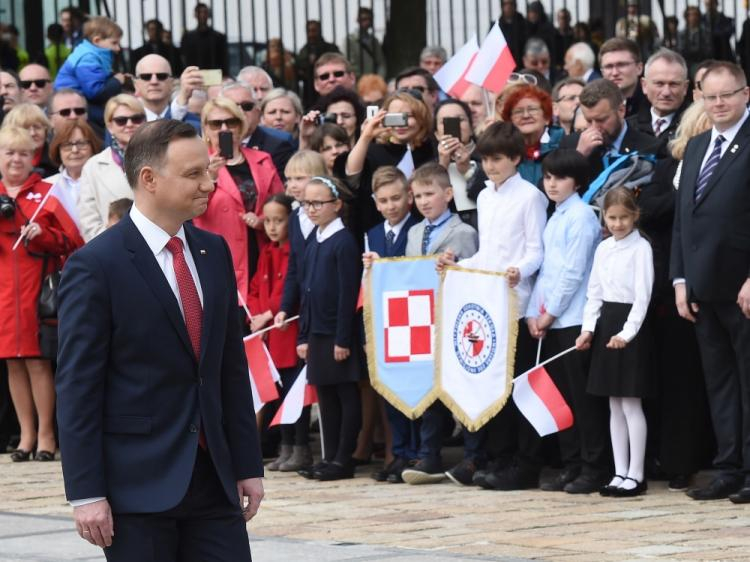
(710, 268)
(155, 409)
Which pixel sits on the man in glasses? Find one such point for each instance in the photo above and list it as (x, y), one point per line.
(420, 80)
(331, 70)
(36, 84)
(620, 63)
(277, 143)
(64, 104)
(153, 85)
(565, 96)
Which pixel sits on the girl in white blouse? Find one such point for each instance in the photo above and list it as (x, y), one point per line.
(617, 299)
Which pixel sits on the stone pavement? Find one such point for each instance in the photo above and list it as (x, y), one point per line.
(361, 520)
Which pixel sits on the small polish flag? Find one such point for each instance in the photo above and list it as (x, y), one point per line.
(300, 395)
(452, 75)
(263, 373)
(538, 399)
(493, 63)
(257, 402)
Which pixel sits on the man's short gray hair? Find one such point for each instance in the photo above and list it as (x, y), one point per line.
(248, 72)
(669, 56)
(433, 51)
(583, 53)
(535, 47)
(64, 91)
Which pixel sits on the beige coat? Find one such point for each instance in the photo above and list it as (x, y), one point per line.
(102, 182)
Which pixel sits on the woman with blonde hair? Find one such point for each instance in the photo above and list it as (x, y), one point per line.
(282, 110)
(386, 145)
(243, 182)
(47, 240)
(684, 442)
(30, 117)
(103, 179)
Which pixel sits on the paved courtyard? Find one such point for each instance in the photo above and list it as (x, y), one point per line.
(361, 520)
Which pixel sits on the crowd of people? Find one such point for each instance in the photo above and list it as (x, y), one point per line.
(647, 277)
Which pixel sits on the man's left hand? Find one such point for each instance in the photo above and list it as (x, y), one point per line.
(191, 79)
(743, 298)
(252, 489)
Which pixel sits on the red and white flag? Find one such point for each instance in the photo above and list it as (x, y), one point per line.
(300, 395)
(263, 373)
(539, 400)
(452, 75)
(493, 63)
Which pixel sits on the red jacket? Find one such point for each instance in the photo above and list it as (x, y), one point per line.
(266, 289)
(21, 272)
(225, 205)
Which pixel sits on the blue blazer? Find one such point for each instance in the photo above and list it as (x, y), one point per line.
(131, 393)
(290, 298)
(376, 239)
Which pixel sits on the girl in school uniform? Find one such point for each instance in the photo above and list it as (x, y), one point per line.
(264, 302)
(617, 299)
(329, 339)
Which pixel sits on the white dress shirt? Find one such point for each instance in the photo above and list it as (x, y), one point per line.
(157, 239)
(623, 272)
(396, 228)
(178, 112)
(305, 224)
(511, 221)
(667, 121)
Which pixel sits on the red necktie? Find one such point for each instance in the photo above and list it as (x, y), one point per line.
(191, 303)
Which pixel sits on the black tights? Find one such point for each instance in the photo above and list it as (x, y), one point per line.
(341, 418)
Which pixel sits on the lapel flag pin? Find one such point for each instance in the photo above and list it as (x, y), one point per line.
(203, 252)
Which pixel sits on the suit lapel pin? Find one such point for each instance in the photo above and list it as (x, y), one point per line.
(203, 252)
(735, 148)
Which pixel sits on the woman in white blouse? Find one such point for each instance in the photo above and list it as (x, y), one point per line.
(71, 147)
(103, 180)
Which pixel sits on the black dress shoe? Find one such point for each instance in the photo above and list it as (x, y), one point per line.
(585, 484)
(309, 471)
(743, 496)
(607, 490)
(718, 489)
(335, 471)
(564, 477)
(513, 478)
(21, 455)
(44, 456)
(396, 465)
(640, 488)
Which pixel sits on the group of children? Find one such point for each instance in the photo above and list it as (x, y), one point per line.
(573, 290)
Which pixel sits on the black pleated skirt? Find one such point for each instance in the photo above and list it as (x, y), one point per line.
(323, 369)
(619, 372)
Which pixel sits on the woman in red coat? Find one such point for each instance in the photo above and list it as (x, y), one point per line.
(52, 233)
(243, 182)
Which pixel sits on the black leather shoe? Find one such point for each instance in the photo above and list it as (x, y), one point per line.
(606, 490)
(21, 455)
(310, 471)
(396, 466)
(743, 496)
(45, 456)
(585, 484)
(718, 489)
(640, 488)
(564, 477)
(335, 471)
(513, 478)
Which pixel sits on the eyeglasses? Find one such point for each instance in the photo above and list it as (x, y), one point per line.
(68, 110)
(231, 123)
(617, 65)
(136, 119)
(326, 75)
(413, 92)
(722, 97)
(247, 105)
(521, 111)
(316, 205)
(571, 97)
(160, 76)
(41, 83)
(75, 145)
(529, 79)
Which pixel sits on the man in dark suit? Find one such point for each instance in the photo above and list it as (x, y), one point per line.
(603, 106)
(665, 83)
(277, 143)
(620, 62)
(710, 268)
(155, 410)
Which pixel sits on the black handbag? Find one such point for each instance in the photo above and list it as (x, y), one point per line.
(47, 312)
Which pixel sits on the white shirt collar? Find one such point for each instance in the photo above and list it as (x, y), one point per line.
(396, 228)
(155, 236)
(587, 74)
(731, 132)
(655, 118)
(151, 116)
(330, 230)
(629, 240)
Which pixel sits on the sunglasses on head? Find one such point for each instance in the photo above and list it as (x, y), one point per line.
(136, 119)
(231, 123)
(160, 76)
(529, 79)
(336, 74)
(41, 83)
(247, 105)
(68, 110)
(413, 92)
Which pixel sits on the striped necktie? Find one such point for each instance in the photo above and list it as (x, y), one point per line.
(708, 168)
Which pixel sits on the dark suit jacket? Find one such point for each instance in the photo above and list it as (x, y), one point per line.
(131, 394)
(632, 141)
(711, 237)
(280, 150)
(376, 239)
(595, 75)
(642, 122)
